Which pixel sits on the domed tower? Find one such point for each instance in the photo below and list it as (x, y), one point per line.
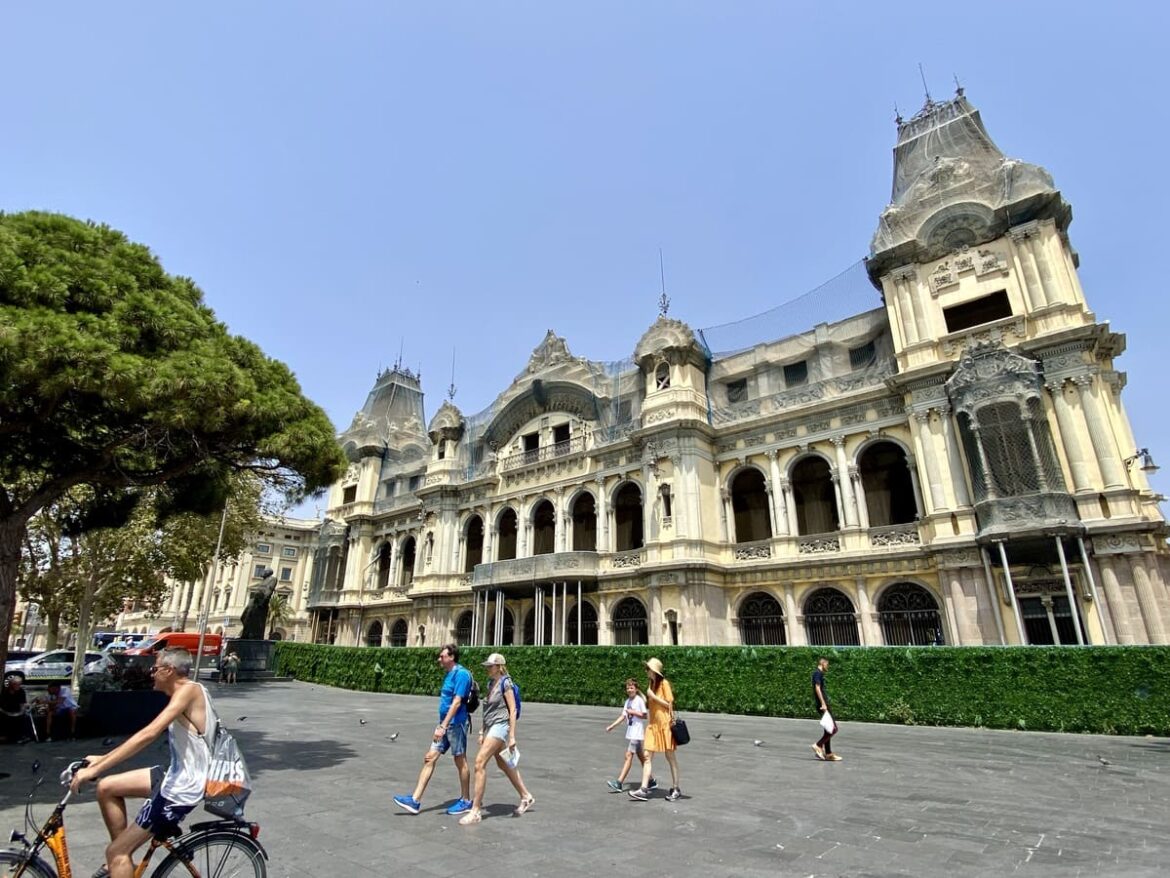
(674, 368)
(445, 432)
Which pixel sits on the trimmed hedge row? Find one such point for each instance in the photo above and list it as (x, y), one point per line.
(1110, 690)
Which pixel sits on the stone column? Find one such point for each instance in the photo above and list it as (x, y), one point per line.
(789, 502)
(777, 506)
(859, 499)
(922, 439)
(954, 459)
(849, 512)
(989, 492)
(1078, 465)
(603, 544)
(905, 298)
(871, 634)
(798, 636)
(1100, 434)
(1039, 258)
(724, 513)
(1147, 599)
(1027, 262)
(912, 465)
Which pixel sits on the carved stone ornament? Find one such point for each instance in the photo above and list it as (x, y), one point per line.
(989, 373)
(899, 535)
(627, 560)
(959, 558)
(550, 352)
(664, 334)
(752, 553)
(819, 545)
(1117, 544)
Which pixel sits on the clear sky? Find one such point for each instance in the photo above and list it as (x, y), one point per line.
(346, 178)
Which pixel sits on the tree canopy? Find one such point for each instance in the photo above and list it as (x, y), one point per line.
(116, 375)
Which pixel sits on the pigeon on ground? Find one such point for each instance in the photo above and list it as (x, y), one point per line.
(758, 743)
(240, 719)
(717, 735)
(1103, 760)
(361, 722)
(394, 737)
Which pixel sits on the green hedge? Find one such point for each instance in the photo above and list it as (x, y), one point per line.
(1111, 690)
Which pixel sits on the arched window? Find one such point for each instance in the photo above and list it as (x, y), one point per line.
(627, 514)
(408, 562)
(829, 619)
(398, 633)
(473, 544)
(276, 634)
(530, 626)
(544, 529)
(749, 502)
(1017, 448)
(816, 500)
(506, 537)
(463, 628)
(374, 634)
(629, 623)
(385, 553)
(585, 524)
(889, 490)
(662, 376)
(588, 625)
(761, 620)
(908, 614)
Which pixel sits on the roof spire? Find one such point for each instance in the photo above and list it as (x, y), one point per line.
(451, 389)
(922, 74)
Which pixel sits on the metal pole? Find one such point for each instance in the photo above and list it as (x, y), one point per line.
(1012, 592)
(1093, 590)
(1068, 590)
(564, 608)
(989, 581)
(579, 640)
(207, 592)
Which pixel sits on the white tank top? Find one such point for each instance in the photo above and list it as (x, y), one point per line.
(186, 776)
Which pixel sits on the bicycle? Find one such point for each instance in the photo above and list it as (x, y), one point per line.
(213, 849)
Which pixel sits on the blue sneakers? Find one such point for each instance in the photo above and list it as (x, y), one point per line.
(461, 806)
(409, 803)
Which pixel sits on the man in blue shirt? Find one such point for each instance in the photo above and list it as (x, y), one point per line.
(450, 734)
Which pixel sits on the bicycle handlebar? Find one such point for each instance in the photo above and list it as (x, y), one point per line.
(74, 767)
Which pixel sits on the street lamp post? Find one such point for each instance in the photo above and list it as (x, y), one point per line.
(204, 615)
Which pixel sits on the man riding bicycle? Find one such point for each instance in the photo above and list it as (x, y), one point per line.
(189, 720)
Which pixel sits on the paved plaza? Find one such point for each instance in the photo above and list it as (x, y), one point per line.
(905, 801)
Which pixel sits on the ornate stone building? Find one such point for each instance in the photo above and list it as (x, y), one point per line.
(954, 466)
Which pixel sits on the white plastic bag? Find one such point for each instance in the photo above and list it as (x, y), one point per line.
(228, 782)
(511, 755)
(827, 722)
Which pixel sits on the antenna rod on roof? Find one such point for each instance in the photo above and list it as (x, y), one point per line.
(451, 389)
(663, 300)
(924, 86)
(398, 362)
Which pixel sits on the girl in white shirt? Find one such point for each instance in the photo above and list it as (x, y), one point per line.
(634, 716)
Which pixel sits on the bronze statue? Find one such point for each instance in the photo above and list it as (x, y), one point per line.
(254, 619)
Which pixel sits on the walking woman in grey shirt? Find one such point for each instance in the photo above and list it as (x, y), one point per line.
(497, 734)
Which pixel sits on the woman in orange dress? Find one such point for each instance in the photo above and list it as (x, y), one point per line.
(659, 739)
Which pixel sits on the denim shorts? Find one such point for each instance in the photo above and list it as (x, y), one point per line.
(498, 731)
(455, 740)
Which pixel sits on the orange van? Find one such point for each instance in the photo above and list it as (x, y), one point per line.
(186, 639)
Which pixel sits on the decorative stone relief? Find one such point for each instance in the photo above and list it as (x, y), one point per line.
(656, 417)
(901, 535)
(819, 545)
(1117, 544)
(959, 558)
(628, 560)
(752, 553)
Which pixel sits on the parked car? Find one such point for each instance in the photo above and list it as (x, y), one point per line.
(56, 664)
(22, 655)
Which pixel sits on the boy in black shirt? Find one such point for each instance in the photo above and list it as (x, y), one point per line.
(824, 747)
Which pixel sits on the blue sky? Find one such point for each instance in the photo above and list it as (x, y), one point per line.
(344, 178)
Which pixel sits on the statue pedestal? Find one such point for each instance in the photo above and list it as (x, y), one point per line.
(255, 658)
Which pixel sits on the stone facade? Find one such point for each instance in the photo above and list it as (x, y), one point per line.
(954, 466)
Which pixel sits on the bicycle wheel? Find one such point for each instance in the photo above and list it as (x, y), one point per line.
(11, 861)
(216, 855)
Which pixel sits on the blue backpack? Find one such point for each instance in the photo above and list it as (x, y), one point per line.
(516, 695)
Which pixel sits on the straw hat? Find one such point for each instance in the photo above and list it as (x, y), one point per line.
(655, 665)
(495, 659)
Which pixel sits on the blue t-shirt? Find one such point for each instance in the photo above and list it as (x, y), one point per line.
(457, 682)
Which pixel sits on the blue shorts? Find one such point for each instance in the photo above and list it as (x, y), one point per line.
(161, 816)
(498, 731)
(455, 740)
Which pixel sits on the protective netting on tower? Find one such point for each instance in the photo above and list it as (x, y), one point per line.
(848, 294)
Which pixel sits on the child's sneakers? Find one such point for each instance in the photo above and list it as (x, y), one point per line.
(653, 785)
(614, 786)
(639, 795)
(675, 794)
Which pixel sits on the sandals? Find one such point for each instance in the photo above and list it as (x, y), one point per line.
(472, 816)
(525, 803)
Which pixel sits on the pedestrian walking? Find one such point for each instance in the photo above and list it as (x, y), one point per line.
(633, 715)
(497, 739)
(824, 747)
(450, 734)
(659, 738)
(231, 667)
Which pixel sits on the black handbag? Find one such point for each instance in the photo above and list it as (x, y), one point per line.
(678, 728)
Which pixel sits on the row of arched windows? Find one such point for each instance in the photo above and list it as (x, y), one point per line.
(884, 474)
(908, 615)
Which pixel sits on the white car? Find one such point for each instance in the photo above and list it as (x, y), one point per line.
(56, 664)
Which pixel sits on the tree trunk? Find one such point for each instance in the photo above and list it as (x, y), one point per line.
(12, 532)
(54, 620)
(84, 612)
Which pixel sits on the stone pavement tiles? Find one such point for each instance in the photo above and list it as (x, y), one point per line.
(905, 800)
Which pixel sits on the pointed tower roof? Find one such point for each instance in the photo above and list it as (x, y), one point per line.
(953, 187)
(391, 418)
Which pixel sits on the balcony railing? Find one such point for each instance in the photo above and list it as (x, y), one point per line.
(548, 452)
(559, 565)
(895, 535)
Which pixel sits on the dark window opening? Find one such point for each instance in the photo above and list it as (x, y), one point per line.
(761, 621)
(507, 536)
(796, 374)
(861, 357)
(531, 447)
(408, 557)
(398, 633)
(474, 551)
(978, 311)
(561, 439)
(463, 628)
(737, 390)
(629, 623)
(349, 494)
(544, 529)
(628, 518)
(749, 503)
(442, 448)
(585, 524)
